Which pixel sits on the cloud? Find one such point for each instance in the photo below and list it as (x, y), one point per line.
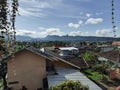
(103, 32)
(78, 33)
(94, 20)
(80, 22)
(58, 9)
(37, 8)
(25, 32)
(88, 15)
(25, 12)
(40, 34)
(75, 33)
(52, 31)
(36, 3)
(75, 25)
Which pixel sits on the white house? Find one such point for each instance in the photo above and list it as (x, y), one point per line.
(68, 51)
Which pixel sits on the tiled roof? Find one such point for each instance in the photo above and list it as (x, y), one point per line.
(77, 61)
(74, 61)
(112, 55)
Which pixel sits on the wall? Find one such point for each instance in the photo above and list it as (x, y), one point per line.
(30, 69)
(62, 64)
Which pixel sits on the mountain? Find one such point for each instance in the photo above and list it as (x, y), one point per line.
(23, 38)
(67, 38)
(79, 38)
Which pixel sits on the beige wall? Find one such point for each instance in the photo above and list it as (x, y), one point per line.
(30, 70)
(62, 64)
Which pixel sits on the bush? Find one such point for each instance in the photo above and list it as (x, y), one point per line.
(69, 85)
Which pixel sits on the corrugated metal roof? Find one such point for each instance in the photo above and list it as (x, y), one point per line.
(102, 59)
(68, 48)
(71, 74)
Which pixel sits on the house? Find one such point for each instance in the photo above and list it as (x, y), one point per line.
(116, 43)
(68, 51)
(105, 48)
(30, 67)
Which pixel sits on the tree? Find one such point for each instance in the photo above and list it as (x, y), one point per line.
(69, 85)
(90, 58)
(8, 10)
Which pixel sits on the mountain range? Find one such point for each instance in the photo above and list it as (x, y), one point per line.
(67, 38)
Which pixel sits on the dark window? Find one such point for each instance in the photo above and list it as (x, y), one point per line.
(15, 82)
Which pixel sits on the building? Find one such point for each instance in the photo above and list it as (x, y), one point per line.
(116, 43)
(68, 51)
(30, 67)
(105, 48)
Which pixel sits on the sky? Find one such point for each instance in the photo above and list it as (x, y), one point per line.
(39, 18)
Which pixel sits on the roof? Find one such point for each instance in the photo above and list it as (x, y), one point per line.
(102, 59)
(116, 43)
(59, 58)
(50, 56)
(70, 74)
(112, 55)
(68, 48)
(78, 61)
(31, 49)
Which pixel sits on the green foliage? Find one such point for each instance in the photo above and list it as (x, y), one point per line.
(94, 75)
(1, 84)
(90, 58)
(69, 85)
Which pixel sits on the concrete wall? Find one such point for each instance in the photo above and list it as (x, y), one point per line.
(28, 69)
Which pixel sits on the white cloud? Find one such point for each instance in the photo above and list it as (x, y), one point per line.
(52, 31)
(25, 12)
(75, 25)
(37, 7)
(25, 32)
(94, 20)
(75, 33)
(78, 33)
(88, 15)
(40, 34)
(80, 22)
(103, 32)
